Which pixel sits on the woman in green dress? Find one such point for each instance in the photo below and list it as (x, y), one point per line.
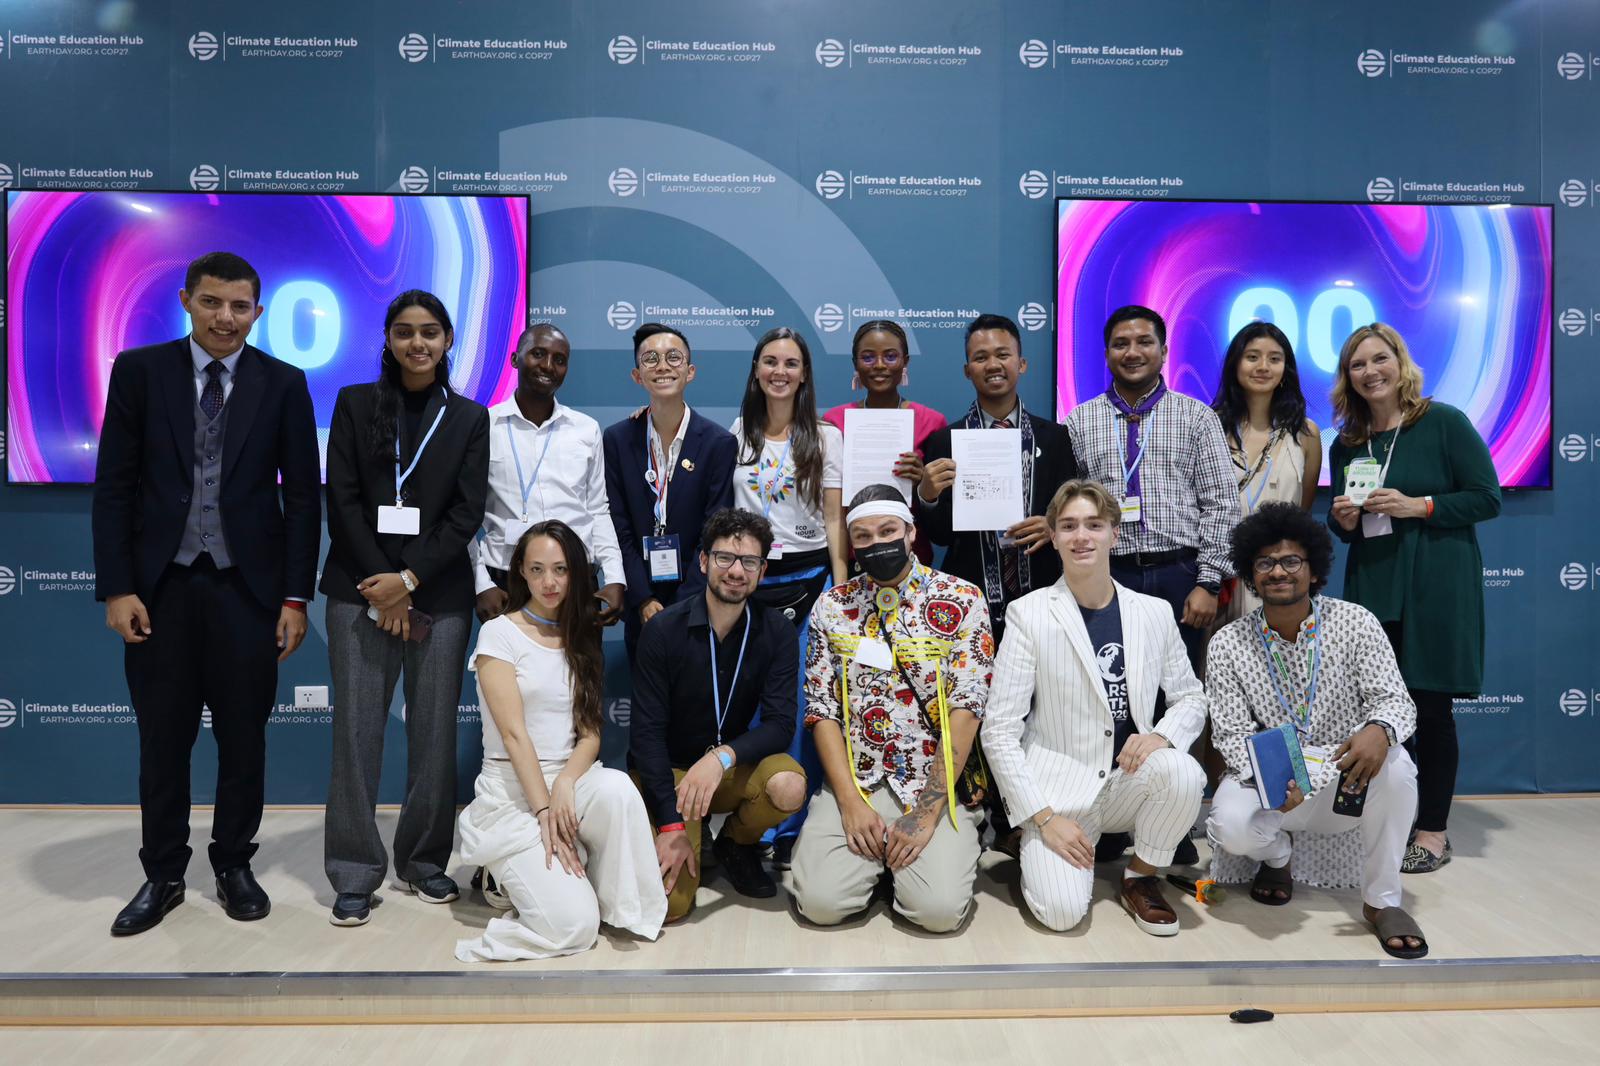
(1411, 480)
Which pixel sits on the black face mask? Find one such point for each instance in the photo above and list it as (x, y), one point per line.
(884, 561)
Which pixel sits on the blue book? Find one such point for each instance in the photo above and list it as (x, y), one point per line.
(1275, 760)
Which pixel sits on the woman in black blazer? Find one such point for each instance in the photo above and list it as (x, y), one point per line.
(408, 469)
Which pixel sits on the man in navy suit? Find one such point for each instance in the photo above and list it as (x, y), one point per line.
(205, 563)
(667, 469)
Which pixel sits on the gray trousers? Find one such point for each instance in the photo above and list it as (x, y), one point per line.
(366, 662)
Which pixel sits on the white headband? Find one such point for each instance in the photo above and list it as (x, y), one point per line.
(881, 509)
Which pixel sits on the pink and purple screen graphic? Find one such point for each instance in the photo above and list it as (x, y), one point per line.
(90, 274)
(1467, 286)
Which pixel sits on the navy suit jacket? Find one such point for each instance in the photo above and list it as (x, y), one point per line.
(144, 474)
(698, 488)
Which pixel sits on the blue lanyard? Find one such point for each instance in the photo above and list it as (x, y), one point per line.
(1129, 471)
(1266, 476)
(658, 481)
(716, 682)
(1276, 667)
(770, 492)
(527, 486)
(535, 618)
(399, 478)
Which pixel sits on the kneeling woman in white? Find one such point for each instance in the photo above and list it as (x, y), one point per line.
(566, 839)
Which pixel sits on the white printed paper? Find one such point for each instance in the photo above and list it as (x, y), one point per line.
(987, 494)
(873, 442)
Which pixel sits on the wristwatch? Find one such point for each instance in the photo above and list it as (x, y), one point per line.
(1213, 587)
(725, 757)
(1385, 726)
(405, 579)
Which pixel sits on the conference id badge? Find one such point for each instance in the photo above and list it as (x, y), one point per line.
(776, 551)
(1002, 538)
(1361, 478)
(1130, 509)
(406, 521)
(1316, 758)
(874, 653)
(1376, 525)
(662, 553)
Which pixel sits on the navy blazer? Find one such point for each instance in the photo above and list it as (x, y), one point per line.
(698, 488)
(144, 474)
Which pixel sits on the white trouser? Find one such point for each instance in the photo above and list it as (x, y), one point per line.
(557, 913)
(1158, 804)
(833, 883)
(1239, 825)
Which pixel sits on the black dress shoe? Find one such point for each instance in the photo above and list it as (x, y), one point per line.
(1186, 853)
(741, 864)
(242, 898)
(148, 906)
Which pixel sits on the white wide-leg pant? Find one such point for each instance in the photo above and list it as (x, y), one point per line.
(1239, 825)
(557, 913)
(1158, 804)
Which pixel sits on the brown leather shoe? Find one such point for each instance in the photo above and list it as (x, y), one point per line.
(1143, 899)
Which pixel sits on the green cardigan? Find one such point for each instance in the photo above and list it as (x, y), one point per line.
(1428, 574)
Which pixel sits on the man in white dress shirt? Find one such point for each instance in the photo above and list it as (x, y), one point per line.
(545, 462)
(1087, 656)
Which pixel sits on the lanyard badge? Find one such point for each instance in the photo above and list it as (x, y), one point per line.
(400, 519)
(1298, 711)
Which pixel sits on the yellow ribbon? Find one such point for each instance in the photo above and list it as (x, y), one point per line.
(922, 649)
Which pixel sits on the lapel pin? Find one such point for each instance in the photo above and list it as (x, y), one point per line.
(688, 464)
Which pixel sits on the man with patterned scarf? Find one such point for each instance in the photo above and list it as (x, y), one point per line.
(1006, 564)
(897, 676)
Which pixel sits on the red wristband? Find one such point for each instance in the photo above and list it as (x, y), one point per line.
(1429, 501)
(670, 827)
(296, 604)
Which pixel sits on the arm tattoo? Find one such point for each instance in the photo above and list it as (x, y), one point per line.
(931, 800)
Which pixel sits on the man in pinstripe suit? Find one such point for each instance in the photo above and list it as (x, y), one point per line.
(1087, 656)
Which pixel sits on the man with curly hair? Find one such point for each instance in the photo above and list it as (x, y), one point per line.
(1324, 666)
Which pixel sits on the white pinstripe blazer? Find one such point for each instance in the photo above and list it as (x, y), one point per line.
(1059, 755)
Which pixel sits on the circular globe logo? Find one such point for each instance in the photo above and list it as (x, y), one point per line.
(1380, 190)
(830, 53)
(8, 580)
(1574, 577)
(1574, 193)
(1034, 184)
(204, 178)
(1574, 448)
(8, 714)
(621, 315)
(1573, 322)
(1571, 66)
(5, 176)
(413, 48)
(204, 46)
(622, 49)
(1034, 53)
(413, 180)
(1032, 316)
(1372, 63)
(623, 182)
(830, 185)
(1574, 702)
(829, 318)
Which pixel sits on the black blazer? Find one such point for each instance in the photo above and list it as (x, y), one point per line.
(694, 495)
(144, 474)
(1053, 464)
(450, 486)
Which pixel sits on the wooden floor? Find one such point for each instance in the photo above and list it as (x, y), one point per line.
(1509, 892)
(1489, 1038)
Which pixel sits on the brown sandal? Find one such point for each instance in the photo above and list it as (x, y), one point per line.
(1393, 923)
(1269, 882)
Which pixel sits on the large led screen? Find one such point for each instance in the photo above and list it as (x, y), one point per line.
(90, 274)
(1467, 286)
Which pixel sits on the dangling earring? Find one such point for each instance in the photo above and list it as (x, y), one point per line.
(855, 382)
(905, 376)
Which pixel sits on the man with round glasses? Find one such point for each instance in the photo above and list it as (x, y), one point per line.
(705, 665)
(1325, 667)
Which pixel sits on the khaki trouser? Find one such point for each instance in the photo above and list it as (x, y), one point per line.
(742, 796)
(832, 883)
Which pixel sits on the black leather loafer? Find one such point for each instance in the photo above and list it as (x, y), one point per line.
(148, 906)
(242, 898)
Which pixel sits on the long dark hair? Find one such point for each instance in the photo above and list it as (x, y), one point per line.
(577, 619)
(386, 412)
(807, 442)
(1288, 409)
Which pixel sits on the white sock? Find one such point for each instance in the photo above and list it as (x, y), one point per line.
(1128, 873)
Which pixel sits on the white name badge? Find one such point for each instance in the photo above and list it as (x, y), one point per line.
(874, 653)
(1376, 525)
(406, 521)
(662, 553)
(1361, 478)
(1316, 757)
(777, 550)
(1130, 509)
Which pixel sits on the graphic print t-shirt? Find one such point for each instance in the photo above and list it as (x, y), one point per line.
(1105, 637)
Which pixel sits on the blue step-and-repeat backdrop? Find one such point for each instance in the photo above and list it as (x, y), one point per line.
(731, 167)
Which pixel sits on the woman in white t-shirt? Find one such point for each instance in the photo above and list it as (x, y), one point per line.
(790, 469)
(567, 839)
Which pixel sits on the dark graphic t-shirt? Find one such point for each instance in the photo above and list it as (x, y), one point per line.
(1105, 637)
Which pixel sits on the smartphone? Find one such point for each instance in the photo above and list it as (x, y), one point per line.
(421, 624)
(1350, 804)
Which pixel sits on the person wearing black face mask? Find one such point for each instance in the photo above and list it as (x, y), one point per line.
(897, 676)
